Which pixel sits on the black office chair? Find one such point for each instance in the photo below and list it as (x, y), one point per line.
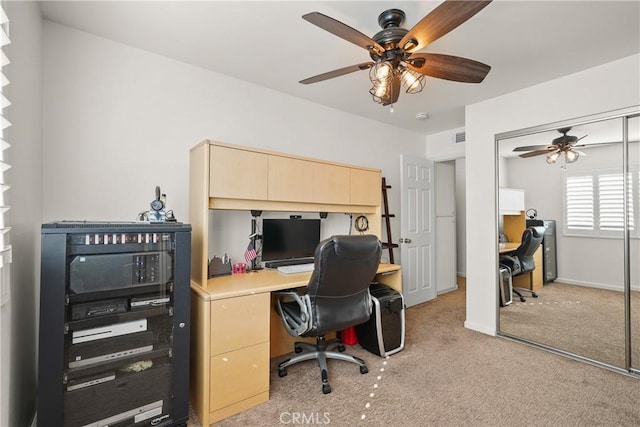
(521, 260)
(336, 297)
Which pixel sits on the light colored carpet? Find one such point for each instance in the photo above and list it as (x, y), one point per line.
(577, 319)
(449, 376)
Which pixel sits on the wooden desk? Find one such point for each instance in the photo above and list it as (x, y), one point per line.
(533, 280)
(507, 247)
(234, 333)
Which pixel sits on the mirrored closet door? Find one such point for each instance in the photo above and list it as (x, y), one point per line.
(633, 322)
(568, 180)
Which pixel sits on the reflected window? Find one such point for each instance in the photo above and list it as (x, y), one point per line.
(594, 202)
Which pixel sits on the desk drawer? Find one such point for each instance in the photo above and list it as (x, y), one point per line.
(239, 375)
(239, 322)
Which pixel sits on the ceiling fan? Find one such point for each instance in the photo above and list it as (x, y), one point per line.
(565, 144)
(394, 62)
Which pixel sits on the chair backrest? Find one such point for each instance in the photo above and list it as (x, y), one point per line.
(339, 286)
(531, 240)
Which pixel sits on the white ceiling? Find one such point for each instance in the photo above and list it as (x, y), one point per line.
(269, 44)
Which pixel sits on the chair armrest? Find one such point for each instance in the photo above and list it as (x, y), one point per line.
(295, 311)
(512, 262)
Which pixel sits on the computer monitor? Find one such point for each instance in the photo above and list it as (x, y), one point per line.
(284, 239)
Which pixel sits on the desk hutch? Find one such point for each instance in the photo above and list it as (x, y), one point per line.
(235, 331)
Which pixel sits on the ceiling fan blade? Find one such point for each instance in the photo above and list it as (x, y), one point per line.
(337, 73)
(534, 147)
(341, 30)
(394, 93)
(448, 67)
(602, 144)
(440, 21)
(534, 153)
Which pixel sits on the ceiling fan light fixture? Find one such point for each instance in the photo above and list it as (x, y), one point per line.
(413, 82)
(381, 72)
(379, 93)
(571, 156)
(553, 157)
(381, 75)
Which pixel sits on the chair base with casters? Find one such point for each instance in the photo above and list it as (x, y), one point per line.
(517, 289)
(322, 351)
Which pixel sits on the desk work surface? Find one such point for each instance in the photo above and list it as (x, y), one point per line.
(508, 247)
(266, 280)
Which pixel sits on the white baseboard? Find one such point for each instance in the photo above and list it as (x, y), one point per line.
(444, 291)
(595, 285)
(480, 328)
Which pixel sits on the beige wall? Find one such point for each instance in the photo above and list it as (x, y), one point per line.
(25, 216)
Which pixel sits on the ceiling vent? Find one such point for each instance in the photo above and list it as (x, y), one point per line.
(459, 137)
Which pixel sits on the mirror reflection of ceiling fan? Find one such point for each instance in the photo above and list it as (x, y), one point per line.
(394, 62)
(563, 145)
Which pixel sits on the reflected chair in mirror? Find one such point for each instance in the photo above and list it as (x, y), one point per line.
(336, 298)
(521, 260)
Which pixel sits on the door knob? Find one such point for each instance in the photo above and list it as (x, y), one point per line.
(405, 240)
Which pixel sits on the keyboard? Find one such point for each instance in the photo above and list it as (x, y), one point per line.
(298, 268)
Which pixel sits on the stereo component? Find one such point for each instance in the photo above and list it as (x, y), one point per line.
(92, 273)
(150, 301)
(108, 331)
(98, 308)
(88, 382)
(93, 352)
(138, 414)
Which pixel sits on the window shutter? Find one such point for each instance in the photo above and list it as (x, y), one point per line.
(611, 206)
(611, 209)
(5, 247)
(579, 202)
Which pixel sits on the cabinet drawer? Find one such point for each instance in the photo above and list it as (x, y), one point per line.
(239, 375)
(239, 322)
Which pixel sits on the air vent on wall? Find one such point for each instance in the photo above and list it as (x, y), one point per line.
(459, 137)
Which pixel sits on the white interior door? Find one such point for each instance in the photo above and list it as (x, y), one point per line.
(417, 242)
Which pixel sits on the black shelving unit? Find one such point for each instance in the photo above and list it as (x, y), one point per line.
(114, 324)
(549, 252)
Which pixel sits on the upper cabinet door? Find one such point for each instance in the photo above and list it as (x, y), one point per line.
(511, 201)
(290, 179)
(366, 187)
(331, 184)
(237, 174)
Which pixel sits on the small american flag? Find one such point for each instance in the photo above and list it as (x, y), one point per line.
(250, 253)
